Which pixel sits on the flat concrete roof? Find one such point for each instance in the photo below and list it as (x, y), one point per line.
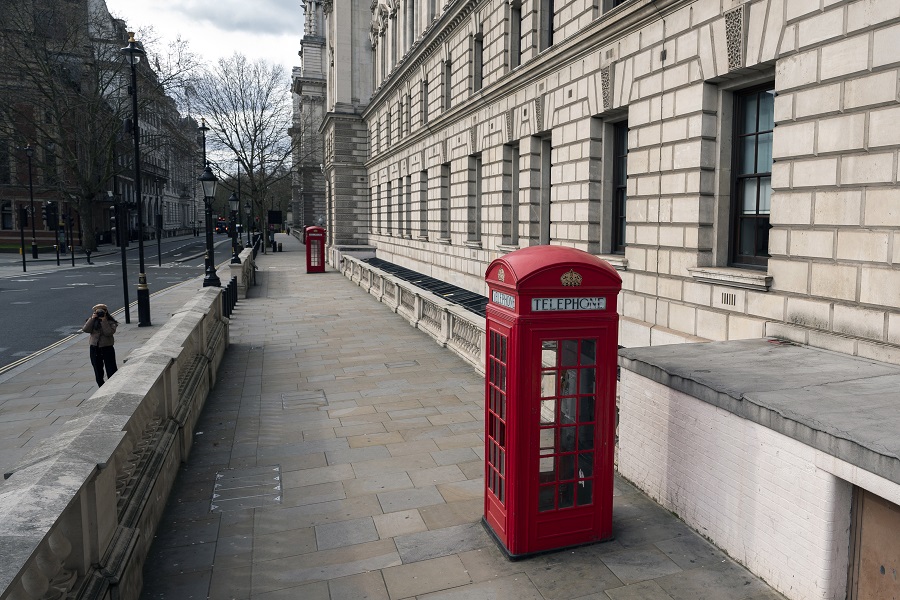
(846, 406)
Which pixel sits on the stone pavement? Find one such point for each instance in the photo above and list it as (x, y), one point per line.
(339, 456)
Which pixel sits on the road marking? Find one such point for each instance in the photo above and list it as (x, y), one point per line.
(73, 284)
(23, 302)
(62, 288)
(106, 285)
(23, 290)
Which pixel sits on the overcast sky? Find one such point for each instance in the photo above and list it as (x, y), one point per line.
(269, 29)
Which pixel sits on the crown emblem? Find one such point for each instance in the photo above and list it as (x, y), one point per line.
(501, 275)
(571, 279)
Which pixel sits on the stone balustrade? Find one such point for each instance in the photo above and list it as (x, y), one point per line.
(79, 513)
(244, 273)
(451, 325)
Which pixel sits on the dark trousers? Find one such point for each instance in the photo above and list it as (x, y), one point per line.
(101, 357)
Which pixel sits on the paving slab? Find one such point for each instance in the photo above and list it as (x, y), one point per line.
(378, 435)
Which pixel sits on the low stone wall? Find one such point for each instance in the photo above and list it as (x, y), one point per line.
(244, 273)
(452, 326)
(79, 514)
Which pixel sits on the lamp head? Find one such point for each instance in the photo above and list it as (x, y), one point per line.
(133, 51)
(29, 151)
(247, 208)
(203, 128)
(234, 202)
(208, 181)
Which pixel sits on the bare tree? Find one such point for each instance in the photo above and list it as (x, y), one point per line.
(64, 88)
(247, 106)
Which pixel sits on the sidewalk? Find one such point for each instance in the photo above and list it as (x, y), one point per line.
(339, 456)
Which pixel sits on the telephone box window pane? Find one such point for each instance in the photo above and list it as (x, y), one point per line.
(502, 385)
(586, 437)
(586, 409)
(548, 412)
(548, 384)
(588, 352)
(585, 492)
(548, 354)
(566, 495)
(503, 349)
(568, 382)
(567, 467)
(547, 436)
(501, 433)
(546, 497)
(569, 353)
(585, 465)
(502, 411)
(502, 462)
(567, 439)
(567, 410)
(502, 488)
(547, 469)
(588, 378)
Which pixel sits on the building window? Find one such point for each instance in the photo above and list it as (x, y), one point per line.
(423, 204)
(408, 120)
(425, 101)
(448, 71)
(546, 24)
(515, 34)
(610, 4)
(376, 196)
(407, 206)
(473, 218)
(389, 209)
(6, 215)
(510, 211)
(445, 202)
(5, 172)
(410, 23)
(387, 129)
(620, 185)
(754, 121)
(477, 60)
(546, 168)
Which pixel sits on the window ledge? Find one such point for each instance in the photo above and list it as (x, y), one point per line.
(442, 240)
(739, 278)
(507, 247)
(618, 261)
(473, 244)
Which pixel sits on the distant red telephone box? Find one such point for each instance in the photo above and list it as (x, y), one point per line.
(550, 404)
(315, 249)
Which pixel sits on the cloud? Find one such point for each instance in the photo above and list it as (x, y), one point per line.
(270, 17)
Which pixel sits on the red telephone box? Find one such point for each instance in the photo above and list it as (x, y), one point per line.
(550, 404)
(315, 249)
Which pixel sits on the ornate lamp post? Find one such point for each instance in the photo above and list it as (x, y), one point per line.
(235, 204)
(133, 53)
(209, 181)
(247, 212)
(29, 152)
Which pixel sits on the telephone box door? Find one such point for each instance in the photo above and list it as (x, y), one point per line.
(315, 249)
(497, 431)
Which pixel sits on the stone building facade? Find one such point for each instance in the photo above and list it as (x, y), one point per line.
(736, 160)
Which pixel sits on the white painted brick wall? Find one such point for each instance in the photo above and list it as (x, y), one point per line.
(756, 493)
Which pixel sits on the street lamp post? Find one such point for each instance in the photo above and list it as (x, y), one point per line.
(209, 181)
(247, 212)
(235, 204)
(133, 53)
(29, 152)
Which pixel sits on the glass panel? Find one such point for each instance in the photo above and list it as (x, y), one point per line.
(501, 433)
(765, 195)
(585, 465)
(546, 497)
(566, 495)
(548, 384)
(585, 492)
(568, 382)
(548, 412)
(588, 352)
(547, 438)
(503, 348)
(502, 400)
(747, 242)
(502, 385)
(748, 196)
(567, 410)
(567, 439)
(502, 461)
(547, 469)
(548, 354)
(502, 495)
(567, 467)
(764, 153)
(586, 409)
(762, 236)
(586, 385)
(586, 437)
(748, 124)
(747, 163)
(569, 353)
(767, 110)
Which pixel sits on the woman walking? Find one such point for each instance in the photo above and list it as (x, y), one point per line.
(102, 327)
